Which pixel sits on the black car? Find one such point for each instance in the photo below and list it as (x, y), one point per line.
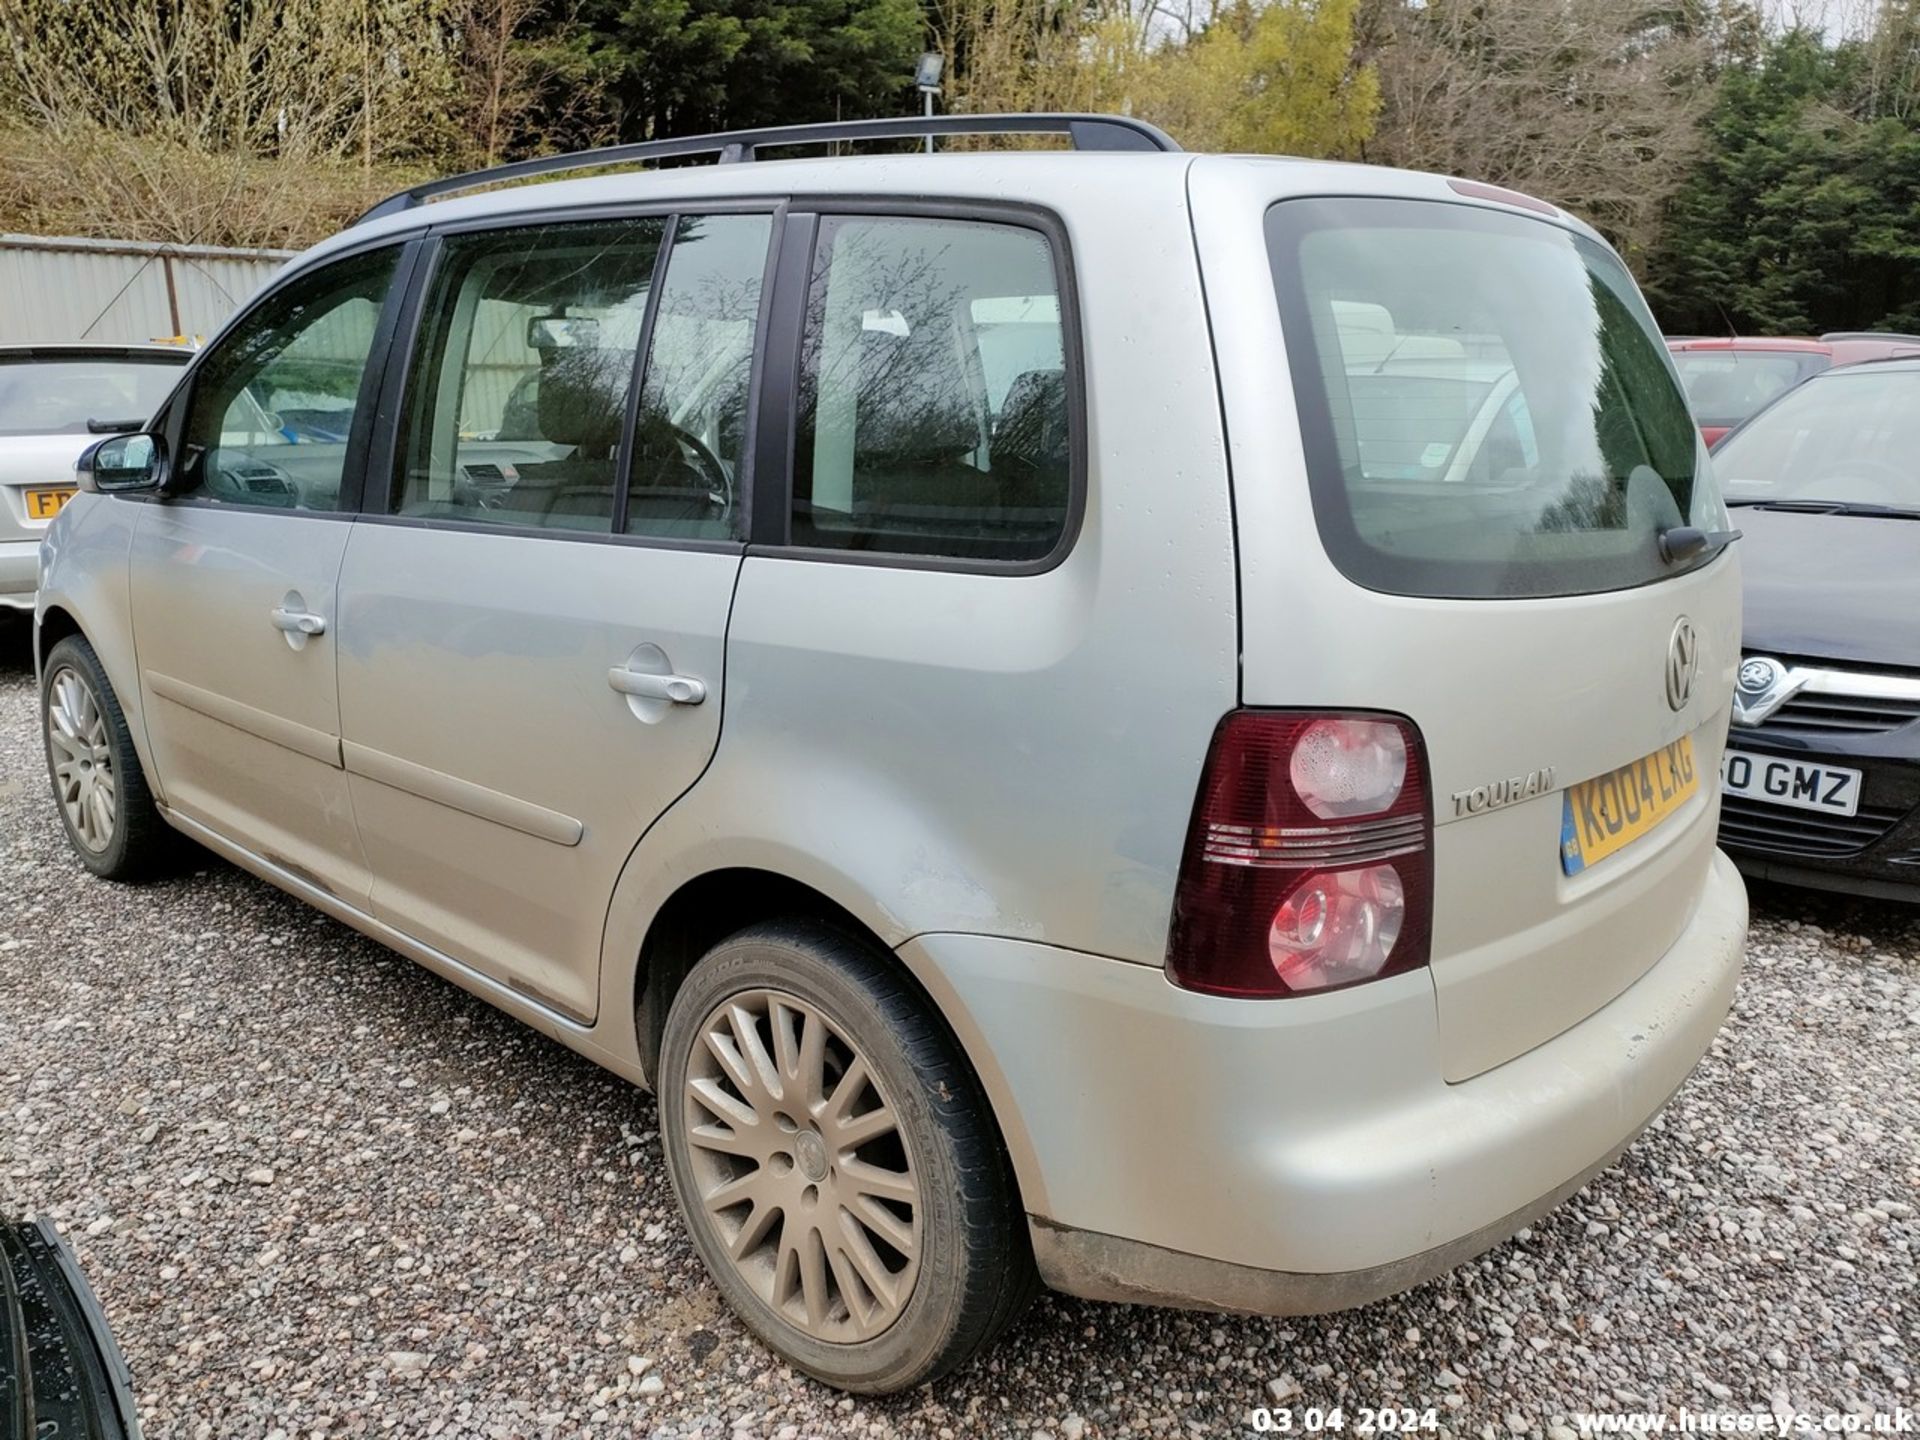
(1821, 783)
(62, 1377)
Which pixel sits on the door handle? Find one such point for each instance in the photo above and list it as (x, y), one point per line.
(297, 622)
(680, 689)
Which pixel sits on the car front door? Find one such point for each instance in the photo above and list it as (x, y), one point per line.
(534, 622)
(234, 574)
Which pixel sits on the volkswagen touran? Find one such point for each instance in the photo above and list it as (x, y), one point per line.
(1130, 721)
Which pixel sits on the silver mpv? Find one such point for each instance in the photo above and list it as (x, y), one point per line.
(1136, 721)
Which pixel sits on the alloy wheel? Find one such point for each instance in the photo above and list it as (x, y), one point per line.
(802, 1165)
(84, 781)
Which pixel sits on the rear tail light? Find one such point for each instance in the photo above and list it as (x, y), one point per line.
(1309, 862)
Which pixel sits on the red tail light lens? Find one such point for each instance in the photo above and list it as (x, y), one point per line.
(1309, 862)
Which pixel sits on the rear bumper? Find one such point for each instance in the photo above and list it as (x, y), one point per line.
(19, 573)
(1302, 1155)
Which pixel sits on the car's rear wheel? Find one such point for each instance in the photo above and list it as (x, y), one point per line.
(836, 1163)
(98, 785)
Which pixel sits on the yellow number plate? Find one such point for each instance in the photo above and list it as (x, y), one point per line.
(45, 504)
(1611, 811)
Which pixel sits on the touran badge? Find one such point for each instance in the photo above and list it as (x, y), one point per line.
(1683, 663)
(1501, 793)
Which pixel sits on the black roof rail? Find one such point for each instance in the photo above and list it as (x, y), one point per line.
(1893, 335)
(1088, 132)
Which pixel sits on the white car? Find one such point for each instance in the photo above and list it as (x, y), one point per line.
(55, 401)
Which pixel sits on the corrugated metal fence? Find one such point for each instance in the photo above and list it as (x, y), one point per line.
(54, 288)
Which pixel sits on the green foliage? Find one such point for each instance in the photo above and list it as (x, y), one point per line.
(1258, 76)
(1272, 79)
(1803, 214)
(679, 67)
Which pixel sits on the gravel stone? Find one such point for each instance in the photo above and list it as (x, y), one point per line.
(162, 1045)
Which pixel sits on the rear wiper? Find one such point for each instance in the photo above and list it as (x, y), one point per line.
(1831, 507)
(113, 427)
(1683, 542)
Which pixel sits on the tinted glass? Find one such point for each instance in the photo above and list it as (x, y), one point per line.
(1726, 386)
(59, 397)
(1849, 436)
(274, 403)
(690, 438)
(1486, 405)
(933, 393)
(518, 396)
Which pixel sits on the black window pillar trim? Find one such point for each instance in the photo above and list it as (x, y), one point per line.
(778, 391)
(642, 358)
(370, 481)
(383, 454)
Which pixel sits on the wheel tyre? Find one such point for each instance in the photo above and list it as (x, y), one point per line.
(974, 1267)
(140, 844)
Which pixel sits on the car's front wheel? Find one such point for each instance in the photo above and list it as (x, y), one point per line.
(836, 1162)
(98, 785)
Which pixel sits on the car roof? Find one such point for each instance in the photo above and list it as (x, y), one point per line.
(1058, 180)
(1893, 364)
(1849, 349)
(96, 350)
(1785, 343)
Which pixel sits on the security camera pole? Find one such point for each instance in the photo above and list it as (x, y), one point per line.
(926, 79)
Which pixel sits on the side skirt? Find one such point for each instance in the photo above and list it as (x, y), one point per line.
(575, 1032)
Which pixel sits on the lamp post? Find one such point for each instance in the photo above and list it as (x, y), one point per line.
(926, 79)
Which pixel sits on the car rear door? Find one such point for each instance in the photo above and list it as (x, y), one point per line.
(535, 608)
(233, 581)
(1572, 686)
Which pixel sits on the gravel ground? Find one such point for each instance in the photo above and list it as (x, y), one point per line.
(322, 1192)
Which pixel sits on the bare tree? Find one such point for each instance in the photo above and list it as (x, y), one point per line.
(1593, 104)
(316, 79)
(524, 79)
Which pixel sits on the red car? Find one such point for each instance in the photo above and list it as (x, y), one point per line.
(1730, 377)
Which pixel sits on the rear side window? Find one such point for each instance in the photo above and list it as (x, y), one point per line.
(519, 397)
(1486, 405)
(933, 415)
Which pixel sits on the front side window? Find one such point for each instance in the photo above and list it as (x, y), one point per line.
(275, 402)
(1487, 408)
(518, 395)
(933, 416)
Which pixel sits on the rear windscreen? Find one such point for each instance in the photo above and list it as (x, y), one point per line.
(1486, 405)
(1726, 386)
(59, 396)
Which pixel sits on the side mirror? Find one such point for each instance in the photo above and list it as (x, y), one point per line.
(123, 464)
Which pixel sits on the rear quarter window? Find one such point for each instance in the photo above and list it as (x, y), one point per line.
(1487, 407)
